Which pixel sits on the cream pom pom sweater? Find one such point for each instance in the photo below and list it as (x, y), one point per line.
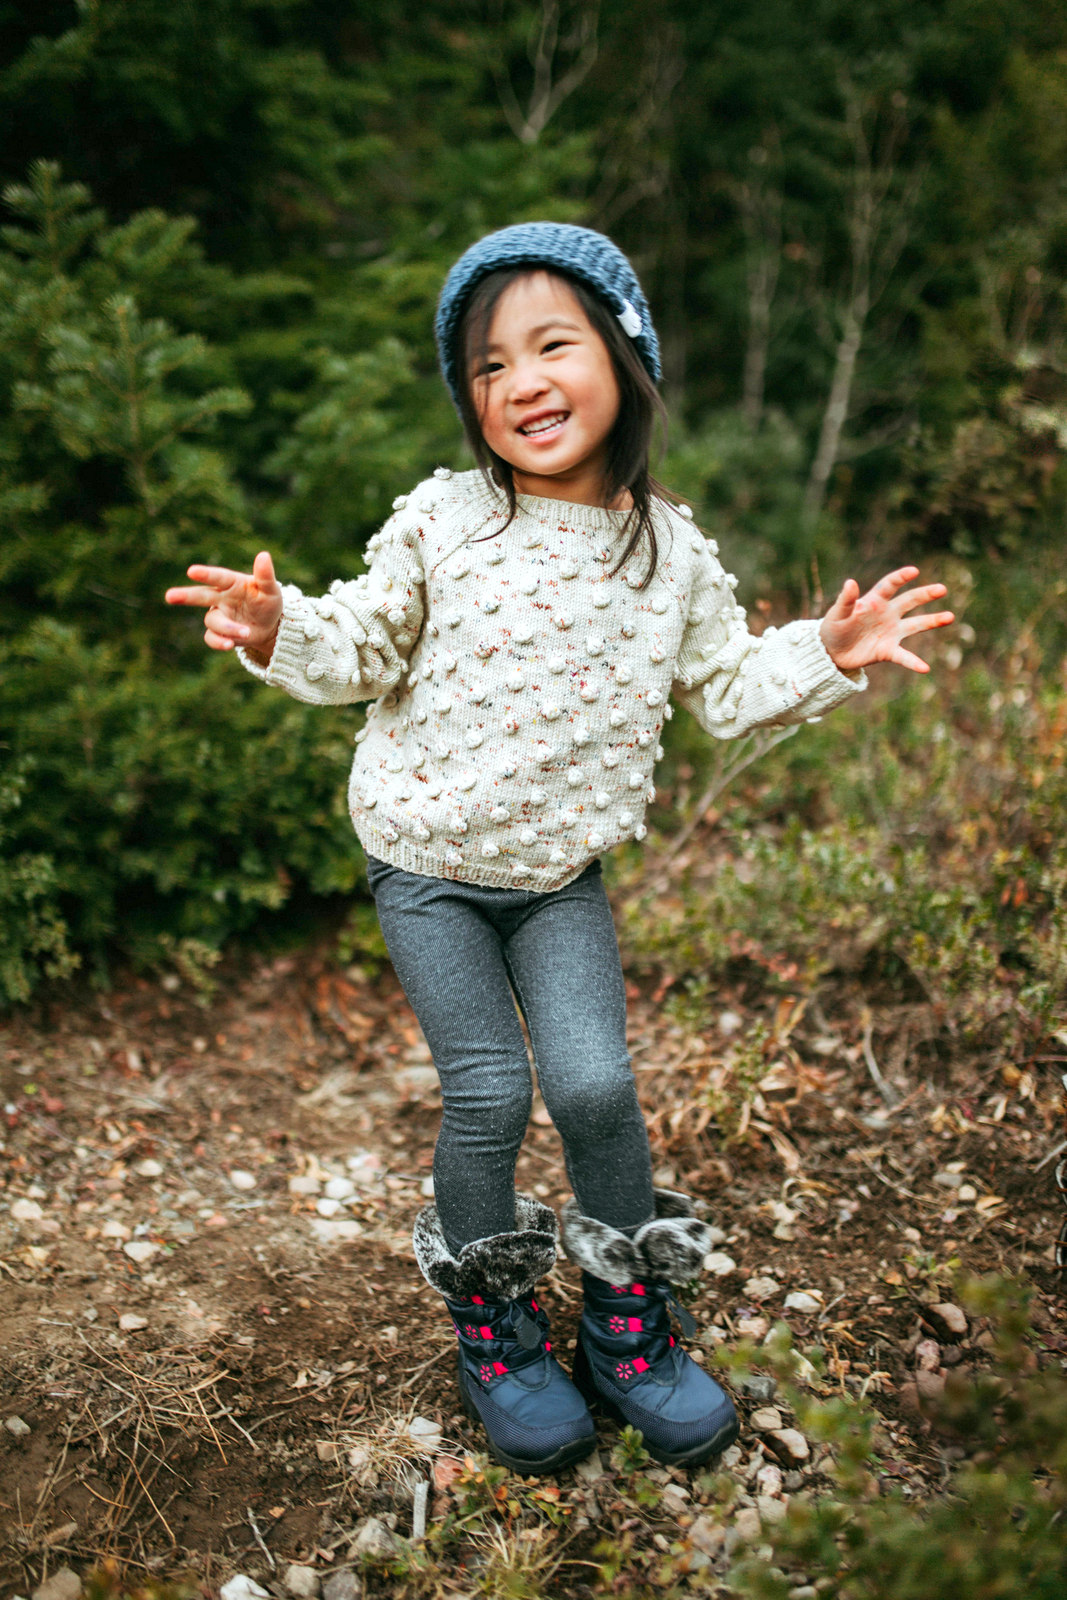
(520, 684)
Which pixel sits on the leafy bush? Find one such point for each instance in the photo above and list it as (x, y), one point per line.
(995, 1533)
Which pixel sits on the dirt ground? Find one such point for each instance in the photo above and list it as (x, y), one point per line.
(222, 1356)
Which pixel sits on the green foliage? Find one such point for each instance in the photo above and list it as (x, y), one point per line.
(994, 1533)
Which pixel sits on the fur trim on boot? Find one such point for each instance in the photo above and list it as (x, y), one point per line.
(671, 1247)
(504, 1266)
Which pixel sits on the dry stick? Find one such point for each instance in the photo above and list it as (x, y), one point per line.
(885, 1089)
(214, 1435)
(418, 1513)
(1057, 1151)
(259, 1539)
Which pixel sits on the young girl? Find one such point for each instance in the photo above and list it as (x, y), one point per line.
(518, 633)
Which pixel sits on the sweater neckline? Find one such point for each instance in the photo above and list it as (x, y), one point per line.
(590, 519)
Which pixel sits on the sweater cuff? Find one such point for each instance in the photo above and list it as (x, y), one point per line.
(290, 645)
(817, 678)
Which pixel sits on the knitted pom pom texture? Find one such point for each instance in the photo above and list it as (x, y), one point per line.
(590, 257)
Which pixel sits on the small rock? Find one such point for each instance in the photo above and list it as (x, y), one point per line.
(373, 1539)
(731, 1458)
(114, 1230)
(707, 1535)
(770, 1510)
(766, 1419)
(149, 1169)
(948, 1319)
(719, 1264)
(339, 1189)
(62, 1585)
(243, 1588)
(304, 1186)
(17, 1428)
(249, 1589)
(928, 1355)
(335, 1232)
(761, 1288)
(949, 1180)
(242, 1180)
(27, 1211)
(675, 1499)
(729, 1022)
(591, 1468)
(426, 1188)
(967, 1192)
(327, 1450)
(342, 1585)
(769, 1479)
(328, 1208)
(746, 1522)
(446, 1469)
(757, 1385)
(753, 1327)
(140, 1250)
(803, 1591)
(789, 1445)
(424, 1432)
(931, 1385)
(302, 1582)
(130, 1322)
(801, 1300)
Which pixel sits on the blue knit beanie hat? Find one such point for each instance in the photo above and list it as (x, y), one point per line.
(590, 257)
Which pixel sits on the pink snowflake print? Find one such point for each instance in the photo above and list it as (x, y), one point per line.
(617, 1324)
(485, 1372)
(624, 1370)
(470, 1330)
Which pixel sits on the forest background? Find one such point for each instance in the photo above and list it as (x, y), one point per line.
(226, 223)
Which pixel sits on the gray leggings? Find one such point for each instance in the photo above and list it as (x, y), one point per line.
(460, 951)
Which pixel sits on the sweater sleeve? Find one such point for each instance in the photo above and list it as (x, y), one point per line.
(352, 643)
(733, 681)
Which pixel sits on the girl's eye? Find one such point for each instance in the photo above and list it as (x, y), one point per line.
(554, 344)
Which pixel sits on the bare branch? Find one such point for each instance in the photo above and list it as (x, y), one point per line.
(552, 82)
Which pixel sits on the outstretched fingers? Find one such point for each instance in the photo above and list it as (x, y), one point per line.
(889, 586)
(931, 619)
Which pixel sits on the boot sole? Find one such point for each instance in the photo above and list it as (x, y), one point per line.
(565, 1456)
(696, 1455)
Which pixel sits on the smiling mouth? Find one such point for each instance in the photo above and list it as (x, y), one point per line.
(544, 427)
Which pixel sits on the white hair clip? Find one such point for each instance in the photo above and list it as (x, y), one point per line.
(630, 319)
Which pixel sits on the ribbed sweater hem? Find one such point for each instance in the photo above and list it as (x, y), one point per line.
(427, 863)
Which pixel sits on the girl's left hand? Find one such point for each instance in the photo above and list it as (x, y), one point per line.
(858, 630)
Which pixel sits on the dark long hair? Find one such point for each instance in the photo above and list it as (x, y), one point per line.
(631, 439)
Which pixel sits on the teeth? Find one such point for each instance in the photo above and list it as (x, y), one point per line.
(544, 425)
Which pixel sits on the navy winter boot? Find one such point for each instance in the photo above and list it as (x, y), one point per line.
(509, 1380)
(628, 1358)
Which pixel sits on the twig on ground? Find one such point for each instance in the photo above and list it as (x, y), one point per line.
(259, 1539)
(1057, 1150)
(418, 1513)
(884, 1087)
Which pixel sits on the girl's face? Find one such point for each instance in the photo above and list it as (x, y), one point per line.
(547, 394)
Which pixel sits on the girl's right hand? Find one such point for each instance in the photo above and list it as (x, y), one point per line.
(241, 607)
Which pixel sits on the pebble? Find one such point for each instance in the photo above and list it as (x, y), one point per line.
(327, 1450)
(746, 1522)
(729, 1022)
(114, 1230)
(707, 1535)
(425, 1432)
(931, 1385)
(26, 1211)
(373, 1539)
(770, 1510)
(769, 1479)
(803, 1591)
(149, 1169)
(17, 1428)
(719, 1264)
(949, 1317)
(303, 1582)
(62, 1585)
(761, 1288)
(327, 1208)
(304, 1186)
(342, 1585)
(766, 1419)
(753, 1327)
(140, 1250)
(949, 1180)
(335, 1232)
(800, 1300)
(789, 1444)
(928, 1355)
(731, 1458)
(675, 1496)
(130, 1322)
(757, 1385)
(426, 1188)
(591, 1468)
(242, 1180)
(340, 1189)
(243, 1588)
